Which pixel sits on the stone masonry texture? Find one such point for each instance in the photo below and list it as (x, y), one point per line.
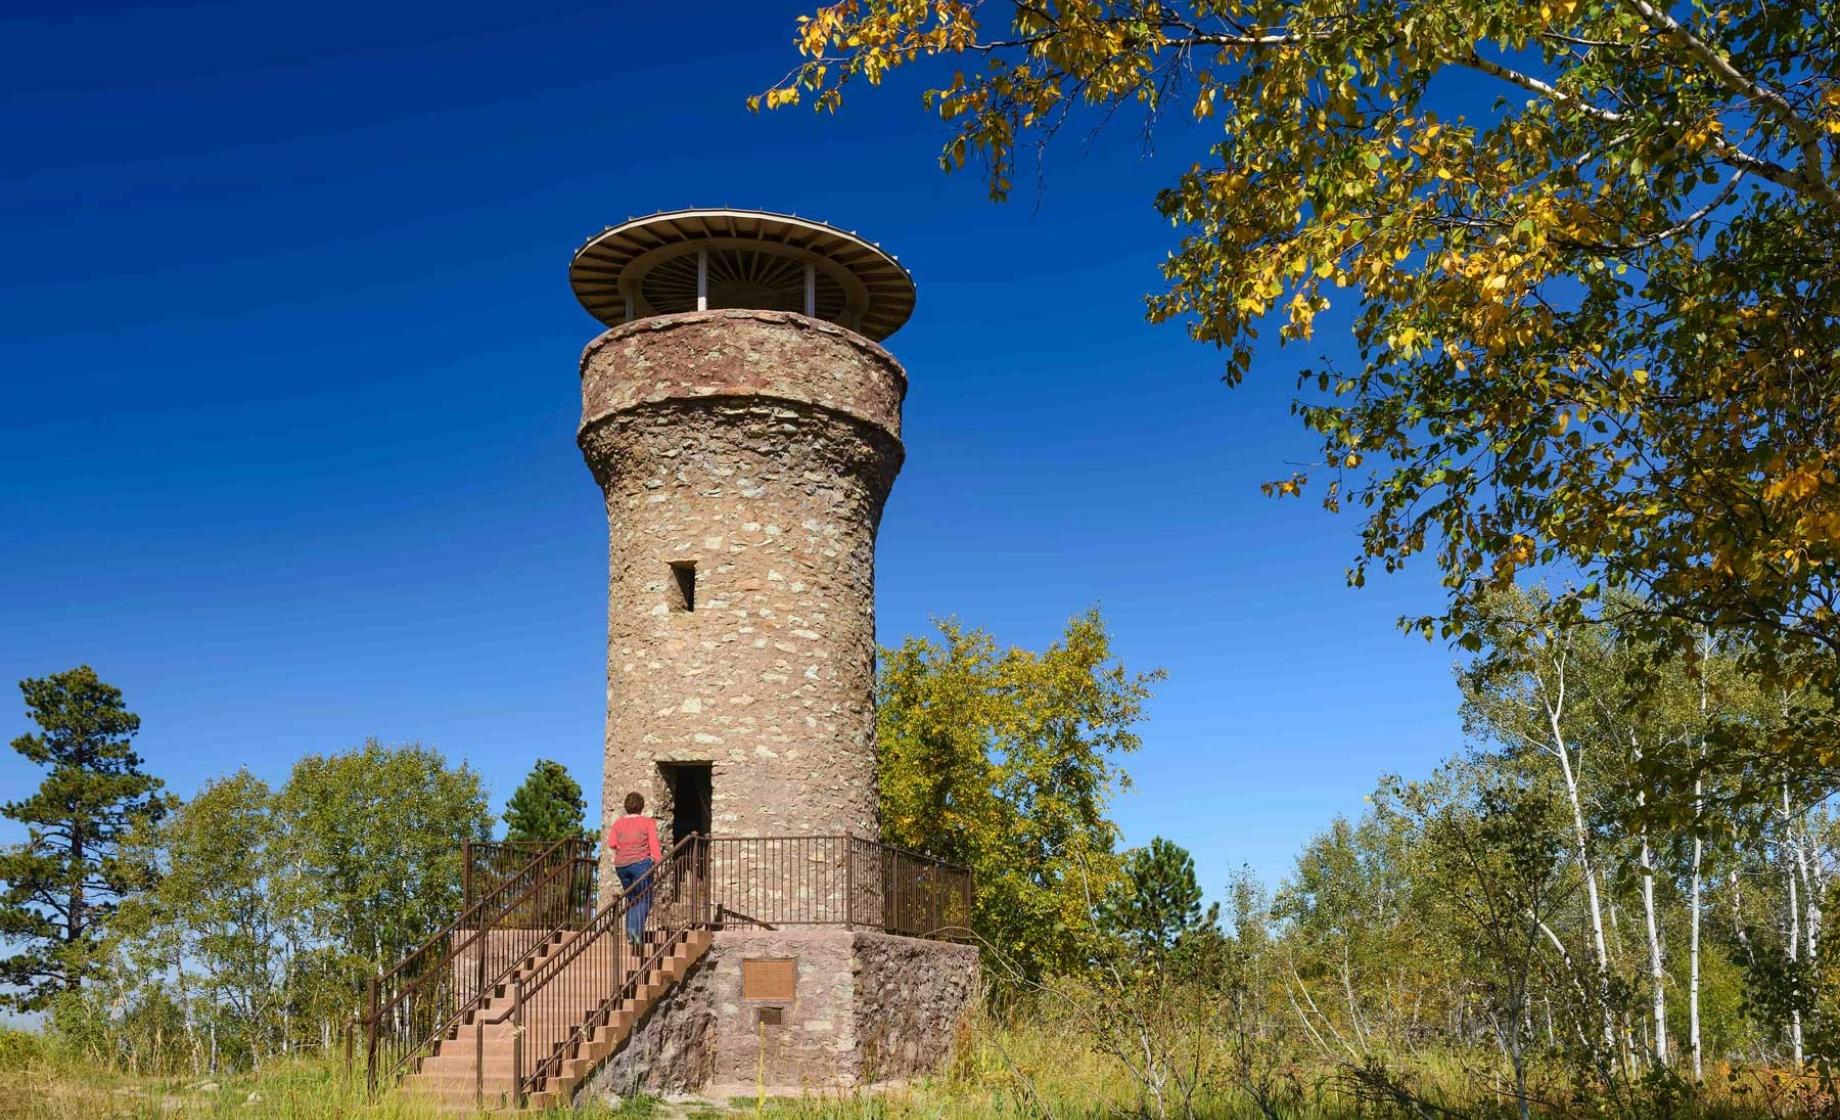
(758, 446)
(869, 1008)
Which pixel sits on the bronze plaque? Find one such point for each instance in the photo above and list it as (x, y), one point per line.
(769, 978)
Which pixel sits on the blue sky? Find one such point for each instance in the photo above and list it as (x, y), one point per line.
(289, 361)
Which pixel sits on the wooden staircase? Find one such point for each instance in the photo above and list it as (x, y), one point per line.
(475, 1065)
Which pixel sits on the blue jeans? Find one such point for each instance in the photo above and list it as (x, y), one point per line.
(641, 905)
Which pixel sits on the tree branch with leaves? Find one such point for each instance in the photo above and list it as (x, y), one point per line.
(1594, 323)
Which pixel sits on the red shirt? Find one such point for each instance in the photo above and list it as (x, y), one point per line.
(632, 839)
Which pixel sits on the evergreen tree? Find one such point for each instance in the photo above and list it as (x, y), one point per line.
(59, 886)
(548, 806)
(1162, 902)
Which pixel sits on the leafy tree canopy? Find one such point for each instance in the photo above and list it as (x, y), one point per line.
(548, 806)
(59, 886)
(374, 837)
(1595, 324)
(214, 925)
(1005, 762)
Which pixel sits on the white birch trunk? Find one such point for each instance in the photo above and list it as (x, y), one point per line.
(1795, 922)
(1581, 841)
(1657, 974)
(1693, 887)
(1811, 892)
(1693, 919)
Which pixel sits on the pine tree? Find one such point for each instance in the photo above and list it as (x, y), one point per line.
(548, 806)
(58, 887)
(1164, 901)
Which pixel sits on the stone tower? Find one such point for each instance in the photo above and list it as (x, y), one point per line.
(744, 427)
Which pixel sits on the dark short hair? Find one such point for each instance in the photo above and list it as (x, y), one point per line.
(635, 802)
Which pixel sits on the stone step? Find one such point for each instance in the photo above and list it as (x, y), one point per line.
(494, 1079)
(448, 1076)
(600, 1044)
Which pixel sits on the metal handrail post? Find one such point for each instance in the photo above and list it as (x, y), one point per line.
(849, 879)
(517, 1043)
(370, 1039)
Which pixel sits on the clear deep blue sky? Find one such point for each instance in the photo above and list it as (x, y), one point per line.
(289, 360)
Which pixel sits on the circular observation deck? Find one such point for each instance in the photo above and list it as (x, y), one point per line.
(705, 260)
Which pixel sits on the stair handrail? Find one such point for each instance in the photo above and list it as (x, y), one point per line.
(490, 925)
(611, 917)
(469, 915)
(483, 918)
(484, 864)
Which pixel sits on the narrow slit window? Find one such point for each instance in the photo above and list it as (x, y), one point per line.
(683, 580)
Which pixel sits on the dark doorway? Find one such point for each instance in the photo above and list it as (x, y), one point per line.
(692, 795)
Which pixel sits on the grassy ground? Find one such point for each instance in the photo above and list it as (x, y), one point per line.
(1000, 1074)
(1012, 1078)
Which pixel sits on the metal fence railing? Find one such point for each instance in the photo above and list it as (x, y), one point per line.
(602, 955)
(774, 881)
(484, 864)
(725, 882)
(580, 988)
(428, 992)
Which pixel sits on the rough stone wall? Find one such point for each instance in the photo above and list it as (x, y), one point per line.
(674, 1048)
(759, 446)
(868, 1008)
(911, 998)
(742, 353)
(814, 1044)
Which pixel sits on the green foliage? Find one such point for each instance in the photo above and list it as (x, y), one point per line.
(1822, 980)
(21, 1049)
(1537, 287)
(213, 928)
(547, 806)
(1004, 762)
(65, 880)
(271, 908)
(1160, 902)
(1561, 883)
(374, 836)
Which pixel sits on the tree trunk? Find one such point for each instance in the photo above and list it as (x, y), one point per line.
(1693, 889)
(1657, 975)
(1811, 893)
(1581, 841)
(1693, 919)
(74, 925)
(1795, 923)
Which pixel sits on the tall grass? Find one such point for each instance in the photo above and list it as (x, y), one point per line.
(1029, 1070)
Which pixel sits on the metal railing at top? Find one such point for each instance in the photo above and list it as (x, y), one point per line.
(844, 880)
(432, 989)
(484, 864)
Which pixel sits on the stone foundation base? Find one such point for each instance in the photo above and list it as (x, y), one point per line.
(798, 1011)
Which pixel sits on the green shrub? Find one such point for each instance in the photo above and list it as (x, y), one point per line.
(21, 1049)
